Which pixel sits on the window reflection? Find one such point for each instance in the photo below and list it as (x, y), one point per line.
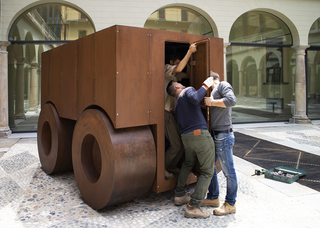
(262, 74)
(51, 22)
(179, 19)
(313, 71)
(260, 27)
(45, 24)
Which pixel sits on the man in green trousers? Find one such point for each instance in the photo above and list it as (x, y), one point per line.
(197, 142)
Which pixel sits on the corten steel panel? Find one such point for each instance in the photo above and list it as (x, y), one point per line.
(55, 72)
(200, 71)
(86, 73)
(133, 75)
(45, 74)
(105, 71)
(200, 65)
(217, 57)
(68, 89)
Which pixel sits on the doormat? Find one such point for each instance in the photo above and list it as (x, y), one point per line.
(269, 155)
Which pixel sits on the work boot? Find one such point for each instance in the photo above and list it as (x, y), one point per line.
(174, 170)
(181, 200)
(210, 203)
(168, 175)
(225, 209)
(192, 212)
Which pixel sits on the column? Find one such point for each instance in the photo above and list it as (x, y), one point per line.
(300, 87)
(4, 116)
(240, 82)
(259, 82)
(34, 87)
(313, 84)
(39, 88)
(11, 88)
(19, 104)
(225, 45)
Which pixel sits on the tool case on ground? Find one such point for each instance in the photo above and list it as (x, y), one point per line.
(284, 174)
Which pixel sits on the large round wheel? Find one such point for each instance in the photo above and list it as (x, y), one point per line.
(54, 140)
(111, 165)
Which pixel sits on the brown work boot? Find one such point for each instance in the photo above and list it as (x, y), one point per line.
(192, 212)
(225, 209)
(181, 200)
(210, 203)
(168, 175)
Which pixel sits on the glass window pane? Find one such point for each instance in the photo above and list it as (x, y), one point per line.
(50, 22)
(24, 82)
(260, 27)
(263, 79)
(313, 71)
(179, 19)
(313, 84)
(314, 33)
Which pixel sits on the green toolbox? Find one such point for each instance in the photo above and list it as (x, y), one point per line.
(284, 174)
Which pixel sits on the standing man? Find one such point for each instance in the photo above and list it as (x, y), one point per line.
(197, 143)
(175, 151)
(221, 101)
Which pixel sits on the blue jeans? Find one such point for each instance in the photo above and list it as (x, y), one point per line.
(224, 151)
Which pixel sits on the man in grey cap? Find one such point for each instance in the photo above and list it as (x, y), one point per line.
(221, 101)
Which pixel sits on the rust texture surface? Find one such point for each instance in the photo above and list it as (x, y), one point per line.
(86, 73)
(111, 165)
(120, 70)
(67, 82)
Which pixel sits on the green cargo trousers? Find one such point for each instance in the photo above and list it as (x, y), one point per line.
(201, 147)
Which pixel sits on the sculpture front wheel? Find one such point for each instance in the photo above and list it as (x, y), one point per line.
(111, 165)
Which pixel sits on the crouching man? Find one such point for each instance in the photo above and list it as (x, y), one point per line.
(197, 142)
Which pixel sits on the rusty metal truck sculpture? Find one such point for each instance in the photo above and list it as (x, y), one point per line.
(103, 109)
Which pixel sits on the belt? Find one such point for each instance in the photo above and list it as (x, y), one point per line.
(226, 131)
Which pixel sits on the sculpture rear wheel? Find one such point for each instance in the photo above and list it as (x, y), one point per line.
(111, 165)
(54, 137)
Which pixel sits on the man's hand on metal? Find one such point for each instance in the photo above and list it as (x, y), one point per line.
(208, 101)
(193, 48)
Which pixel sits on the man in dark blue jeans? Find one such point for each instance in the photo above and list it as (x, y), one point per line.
(198, 144)
(221, 101)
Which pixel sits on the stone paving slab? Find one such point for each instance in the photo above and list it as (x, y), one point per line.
(31, 198)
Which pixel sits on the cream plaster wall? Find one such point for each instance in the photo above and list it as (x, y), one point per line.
(298, 15)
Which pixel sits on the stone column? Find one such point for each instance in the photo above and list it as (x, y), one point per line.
(259, 82)
(4, 114)
(300, 87)
(34, 87)
(240, 82)
(313, 84)
(225, 45)
(39, 88)
(19, 104)
(11, 88)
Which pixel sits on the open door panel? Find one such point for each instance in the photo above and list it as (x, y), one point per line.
(200, 70)
(200, 63)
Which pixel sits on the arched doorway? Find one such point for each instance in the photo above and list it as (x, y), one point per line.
(313, 71)
(37, 30)
(262, 42)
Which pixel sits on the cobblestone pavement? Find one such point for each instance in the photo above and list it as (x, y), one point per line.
(31, 198)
